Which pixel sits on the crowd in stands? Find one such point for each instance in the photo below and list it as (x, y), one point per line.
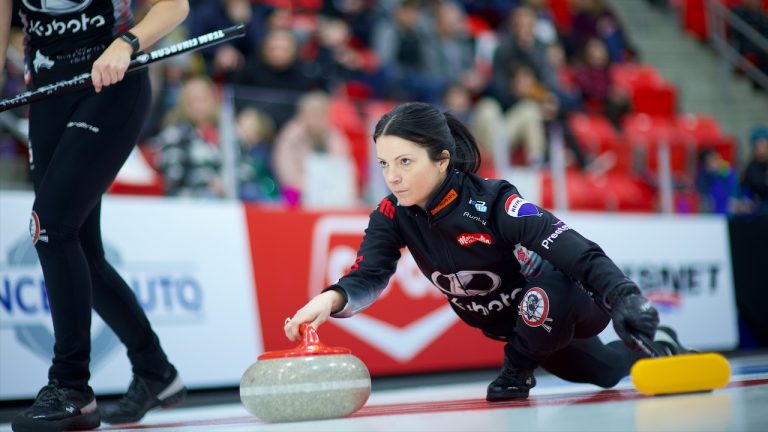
(310, 75)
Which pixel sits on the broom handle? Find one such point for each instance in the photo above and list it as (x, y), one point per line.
(643, 342)
(140, 62)
(646, 345)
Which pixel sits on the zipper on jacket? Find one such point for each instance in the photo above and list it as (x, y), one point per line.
(448, 255)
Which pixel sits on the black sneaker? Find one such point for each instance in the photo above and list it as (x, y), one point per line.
(512, 383)
(667, 339)
(142, 396)
(59, 408)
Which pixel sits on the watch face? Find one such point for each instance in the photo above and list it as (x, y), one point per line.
(131, 39)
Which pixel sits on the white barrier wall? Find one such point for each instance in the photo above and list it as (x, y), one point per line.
(188, 262)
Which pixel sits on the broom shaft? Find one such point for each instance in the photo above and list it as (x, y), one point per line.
(140, 62)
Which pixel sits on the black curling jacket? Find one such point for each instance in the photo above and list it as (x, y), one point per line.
(466, 244)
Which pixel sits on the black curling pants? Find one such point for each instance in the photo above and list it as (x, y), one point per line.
(557, 329)
(78, 142)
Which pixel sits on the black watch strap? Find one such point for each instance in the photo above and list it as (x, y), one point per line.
(131, 39)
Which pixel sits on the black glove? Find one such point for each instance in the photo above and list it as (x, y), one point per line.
(632, 314)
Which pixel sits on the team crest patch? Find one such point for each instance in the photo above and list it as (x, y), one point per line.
(534, 309)
(35, 231)
(516, 206)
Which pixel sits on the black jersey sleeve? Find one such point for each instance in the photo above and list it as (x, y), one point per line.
(375, 263)
(520, 221)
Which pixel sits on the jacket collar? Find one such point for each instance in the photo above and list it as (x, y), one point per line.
(446, 197)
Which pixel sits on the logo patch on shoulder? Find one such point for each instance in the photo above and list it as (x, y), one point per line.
(516, 206)
(386, 208)
(479, 205)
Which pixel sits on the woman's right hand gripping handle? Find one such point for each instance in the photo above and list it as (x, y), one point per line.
(315, 312)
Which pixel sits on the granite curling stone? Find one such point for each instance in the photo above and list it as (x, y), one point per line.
(312, 381)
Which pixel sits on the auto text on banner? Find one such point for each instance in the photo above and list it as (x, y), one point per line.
(189, 265)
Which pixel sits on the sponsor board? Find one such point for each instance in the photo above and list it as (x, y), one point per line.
(186, 261)
(411, 328)
(682, 264)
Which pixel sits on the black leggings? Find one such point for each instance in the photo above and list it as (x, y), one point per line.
(78, 142)
(560, 333)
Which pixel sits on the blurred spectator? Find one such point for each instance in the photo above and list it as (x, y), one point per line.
(717, 184)
(211, 15)
(596, 19)
(519, 46)
(594, 79)
(254, 132)
(545, 29)
(340, 59)
(457, 100)
(754, 180)
(310, 131)
(167, 79)
(568, 92)
(753, 14)
(14, 124)
(12, 77)
(279, 74)
(400, 43)
(513, 117)
(529, 104)
(189, 156)
(494, 12)
(361, 15)
(449, 53)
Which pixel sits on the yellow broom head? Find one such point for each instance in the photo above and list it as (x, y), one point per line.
(685, 373)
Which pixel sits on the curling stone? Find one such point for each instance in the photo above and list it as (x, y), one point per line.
(312, 381)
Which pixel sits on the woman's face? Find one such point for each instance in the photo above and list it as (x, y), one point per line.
(199, 100)
(597, 54)
(409, 172)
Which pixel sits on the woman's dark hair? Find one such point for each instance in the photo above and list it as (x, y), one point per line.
(434, 131)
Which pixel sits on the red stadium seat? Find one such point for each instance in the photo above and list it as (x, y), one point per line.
(628, 75)
(630, 194)
(724, 145)
(646, 133)
(695, 17)
(655, 100)
(345, 116)
(561, 14)
(581, 196)
(697, 127)
(592, 131)
(477, 26)
(616, 192)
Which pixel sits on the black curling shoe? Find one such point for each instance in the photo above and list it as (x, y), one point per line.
(59, 408)
(512, 383)
(144, 395)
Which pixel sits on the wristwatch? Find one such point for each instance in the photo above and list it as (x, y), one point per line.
(132, 40)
